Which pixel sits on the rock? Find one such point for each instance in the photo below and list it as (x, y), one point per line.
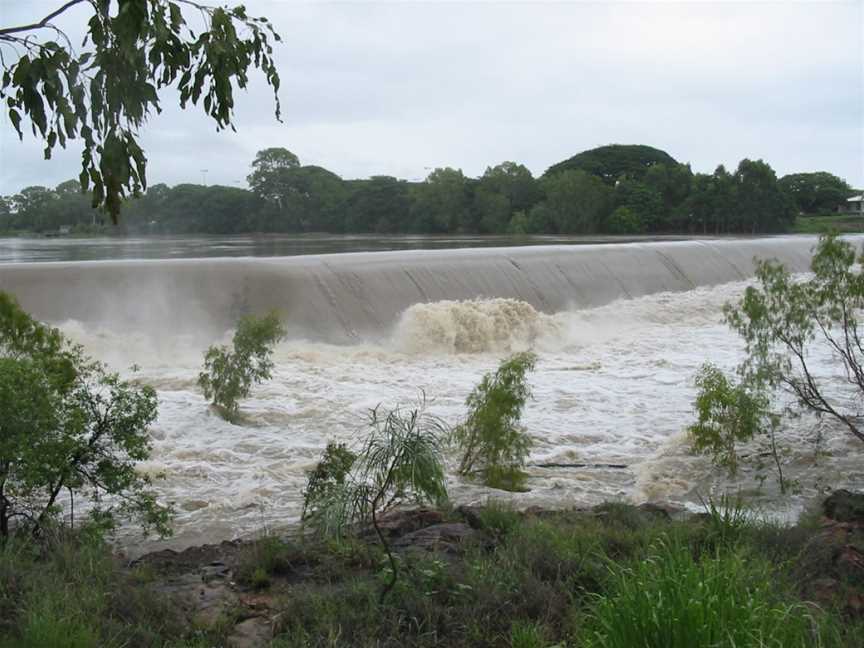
(824, 590)
(844, 506)
(438, 537)
(657, 511)
(471, 515)
(251, 633)
(214, 571)
(850, 563)
(397, 523)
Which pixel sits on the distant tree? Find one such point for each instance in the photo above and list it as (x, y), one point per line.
(69, 429)
(614, 161)
(672, 183)
(268, 167)
(105, 92)
(441, 203)
(491, 440)
(503, 189)
(624, 221)
(644, 204)
(380, 204)
(711, 204)
(229, 374)
(576, 201)
(817, 192)
(759, 203)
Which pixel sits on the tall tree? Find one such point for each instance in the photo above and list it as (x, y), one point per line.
(815, 192)
(760, 205)
(441, 204)
(614, 161)
(104, 93)
(268, 172)
(505, 188)
(576, 201)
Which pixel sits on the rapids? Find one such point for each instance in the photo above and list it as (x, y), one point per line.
(620, 331)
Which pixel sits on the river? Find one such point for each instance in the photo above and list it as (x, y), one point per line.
(620, 329)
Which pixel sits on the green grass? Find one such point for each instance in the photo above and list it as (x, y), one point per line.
(670, 599)
(843, 223)
(69, 592)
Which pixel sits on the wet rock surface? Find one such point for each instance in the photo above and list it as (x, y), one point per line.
(838, 548)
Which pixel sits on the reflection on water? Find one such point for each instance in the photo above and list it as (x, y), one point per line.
(22, 250)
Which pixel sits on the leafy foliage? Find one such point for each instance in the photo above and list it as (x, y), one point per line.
(817, 192)
(727, 414)
(612, 162)
(491, 440)
(730, 414)
(105, 93)
(781, 319)
(229, 374)
(268, 171)
(401, 460)
(68, 427)
(327, 478)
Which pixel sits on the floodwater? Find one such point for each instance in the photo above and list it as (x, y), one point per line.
(25, 249)
(613, 384)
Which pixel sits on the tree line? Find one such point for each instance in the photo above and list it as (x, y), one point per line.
(615, 189)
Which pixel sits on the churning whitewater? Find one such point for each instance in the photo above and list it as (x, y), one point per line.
(620, 331)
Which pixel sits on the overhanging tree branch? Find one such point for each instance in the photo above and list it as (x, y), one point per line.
(42, 23)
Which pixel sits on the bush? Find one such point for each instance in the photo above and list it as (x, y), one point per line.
(229, 374)
(326, 479)
(401, 460)
(69, 429)
(491, 440)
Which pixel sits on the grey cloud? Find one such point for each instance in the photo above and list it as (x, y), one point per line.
(395, 88)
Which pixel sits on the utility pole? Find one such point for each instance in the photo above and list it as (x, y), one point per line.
(204, 177)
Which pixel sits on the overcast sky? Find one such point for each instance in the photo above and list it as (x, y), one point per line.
(398, 88)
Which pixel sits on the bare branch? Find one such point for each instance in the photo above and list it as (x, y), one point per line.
(42, 23)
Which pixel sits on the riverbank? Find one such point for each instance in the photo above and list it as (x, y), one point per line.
(467, 577)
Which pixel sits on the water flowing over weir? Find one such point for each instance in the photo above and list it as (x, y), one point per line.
(620, 330)
(347, 298)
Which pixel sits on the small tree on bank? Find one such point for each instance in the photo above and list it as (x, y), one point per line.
(229, 374)
(68, 429)
(401, 460)
(491, 440)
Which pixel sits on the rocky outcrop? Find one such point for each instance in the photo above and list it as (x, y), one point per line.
(845, 506)
(837, 552)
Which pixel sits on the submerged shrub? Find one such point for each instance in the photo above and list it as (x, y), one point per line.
(730, 413)
(491, 440)
(672, 600)
(229, 374)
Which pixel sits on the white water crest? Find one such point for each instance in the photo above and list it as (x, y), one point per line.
(613, 388)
